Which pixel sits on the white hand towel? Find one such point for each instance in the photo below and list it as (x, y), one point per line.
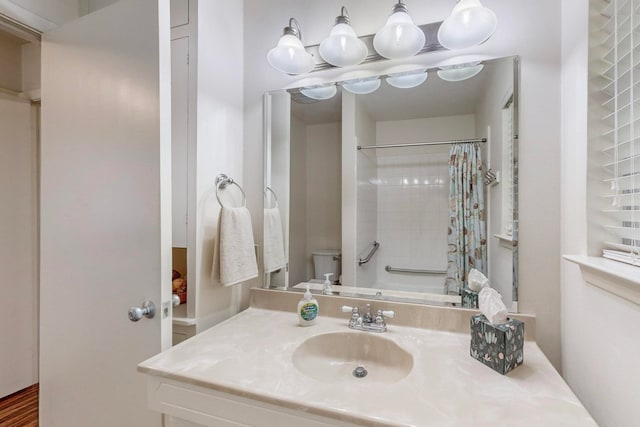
(273, 242)
(234, 259)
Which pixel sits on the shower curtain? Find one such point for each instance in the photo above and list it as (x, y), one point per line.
(467, 241)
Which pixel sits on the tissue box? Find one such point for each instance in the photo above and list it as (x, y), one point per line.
(469, 298)
(497, 346)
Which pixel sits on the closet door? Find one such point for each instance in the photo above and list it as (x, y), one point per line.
(106, 213)
(18, 246)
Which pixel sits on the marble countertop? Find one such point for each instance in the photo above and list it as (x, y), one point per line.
(250, 355)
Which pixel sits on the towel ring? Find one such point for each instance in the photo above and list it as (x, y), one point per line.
(222, 181)
(273, 194)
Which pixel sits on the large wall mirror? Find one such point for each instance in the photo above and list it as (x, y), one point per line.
(399, 192)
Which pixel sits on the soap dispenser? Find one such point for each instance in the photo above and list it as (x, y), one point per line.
(326, 287)
(307, 309)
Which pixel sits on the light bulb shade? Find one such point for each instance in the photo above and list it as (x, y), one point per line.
(290, 57)
(320, 92)
(362, 86)
(408, 79)
(457, 73)
(469, 24)
(342, 47)
(399, 38)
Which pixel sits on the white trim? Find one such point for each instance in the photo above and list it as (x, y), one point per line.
(612, 276)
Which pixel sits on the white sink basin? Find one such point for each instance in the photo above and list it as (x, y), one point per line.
(333, 357)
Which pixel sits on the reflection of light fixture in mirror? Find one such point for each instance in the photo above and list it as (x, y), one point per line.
(469, 24)
(319, 92)
(456, 73)
(342, 47)
(400, 37)
(290, 56)
(407, 79)
(362, 86)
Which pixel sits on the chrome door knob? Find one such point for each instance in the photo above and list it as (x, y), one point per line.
(175, 300)
(147, 310)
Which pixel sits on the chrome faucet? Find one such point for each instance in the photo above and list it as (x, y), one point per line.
(366, 322)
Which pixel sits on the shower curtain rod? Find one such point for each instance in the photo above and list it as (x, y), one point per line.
(419, 144)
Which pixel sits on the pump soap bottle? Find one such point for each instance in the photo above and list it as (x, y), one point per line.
(326, 287)
(307, 309)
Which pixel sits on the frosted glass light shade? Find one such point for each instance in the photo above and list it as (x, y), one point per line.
(469, 24)
(407, 79)
(342, 47)
(290, 57)
(362, 86)
(399, 38)
(457, 73)
(320, 92)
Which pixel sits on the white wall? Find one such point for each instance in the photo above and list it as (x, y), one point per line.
(518, 33)
(298, 258)
(366, 229)
(18, 246)
(600, 335)
(324, 225)
(498, 86)
(413, 214)
(10, 64)
(219, 150)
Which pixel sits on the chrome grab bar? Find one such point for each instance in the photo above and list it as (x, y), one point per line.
(375, 247)
(410, 270)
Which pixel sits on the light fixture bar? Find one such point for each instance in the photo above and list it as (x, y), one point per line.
(420, 144)
(431, 44)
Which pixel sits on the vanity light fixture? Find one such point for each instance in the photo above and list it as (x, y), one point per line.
(469, 24)
(320, 92)
(459, 72)
(362, 86)
(406, 77)
(400, 37)
(342, 47)
(290, 56)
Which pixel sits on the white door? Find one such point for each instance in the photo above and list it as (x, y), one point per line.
(18, 245)
(105, 213)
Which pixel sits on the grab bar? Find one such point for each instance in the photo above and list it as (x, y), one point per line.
(410, 270)
(375, 247)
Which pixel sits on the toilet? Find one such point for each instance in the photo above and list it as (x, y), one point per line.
(326, 261)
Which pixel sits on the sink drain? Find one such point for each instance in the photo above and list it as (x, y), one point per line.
(360, 372)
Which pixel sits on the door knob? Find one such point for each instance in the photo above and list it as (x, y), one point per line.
(175, 300)
(148, 310)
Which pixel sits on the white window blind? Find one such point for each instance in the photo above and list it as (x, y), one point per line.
(621, 119)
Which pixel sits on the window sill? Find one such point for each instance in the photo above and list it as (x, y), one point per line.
(505, 240)
(615, 277)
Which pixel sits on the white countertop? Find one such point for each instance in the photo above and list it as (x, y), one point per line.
(250, 355)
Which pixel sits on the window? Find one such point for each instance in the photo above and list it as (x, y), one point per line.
(614, 142)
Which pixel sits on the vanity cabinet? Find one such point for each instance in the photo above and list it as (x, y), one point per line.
(186, 405)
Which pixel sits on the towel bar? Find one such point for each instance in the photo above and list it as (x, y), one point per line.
(222, 181)
(410, 270)
(267, 188)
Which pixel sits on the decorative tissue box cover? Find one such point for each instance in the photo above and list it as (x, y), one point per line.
(469, 298)
(497, 346)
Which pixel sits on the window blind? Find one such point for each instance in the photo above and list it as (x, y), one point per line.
(622, 130)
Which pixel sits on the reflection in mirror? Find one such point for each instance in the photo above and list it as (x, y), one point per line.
(400, 192)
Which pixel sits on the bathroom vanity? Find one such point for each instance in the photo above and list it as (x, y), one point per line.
(260, 368)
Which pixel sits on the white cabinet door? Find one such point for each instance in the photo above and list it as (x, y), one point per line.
(105, 212)
(179, 138)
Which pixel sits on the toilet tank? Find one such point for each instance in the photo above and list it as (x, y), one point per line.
(326, 261)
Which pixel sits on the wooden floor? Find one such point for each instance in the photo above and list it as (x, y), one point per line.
(20, 409)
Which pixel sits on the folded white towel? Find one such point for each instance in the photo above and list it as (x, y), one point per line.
(273, 242)
(234, 259)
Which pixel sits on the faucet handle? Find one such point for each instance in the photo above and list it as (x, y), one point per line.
(389, 313)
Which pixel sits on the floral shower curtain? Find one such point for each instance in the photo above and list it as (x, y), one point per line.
(467, 240)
